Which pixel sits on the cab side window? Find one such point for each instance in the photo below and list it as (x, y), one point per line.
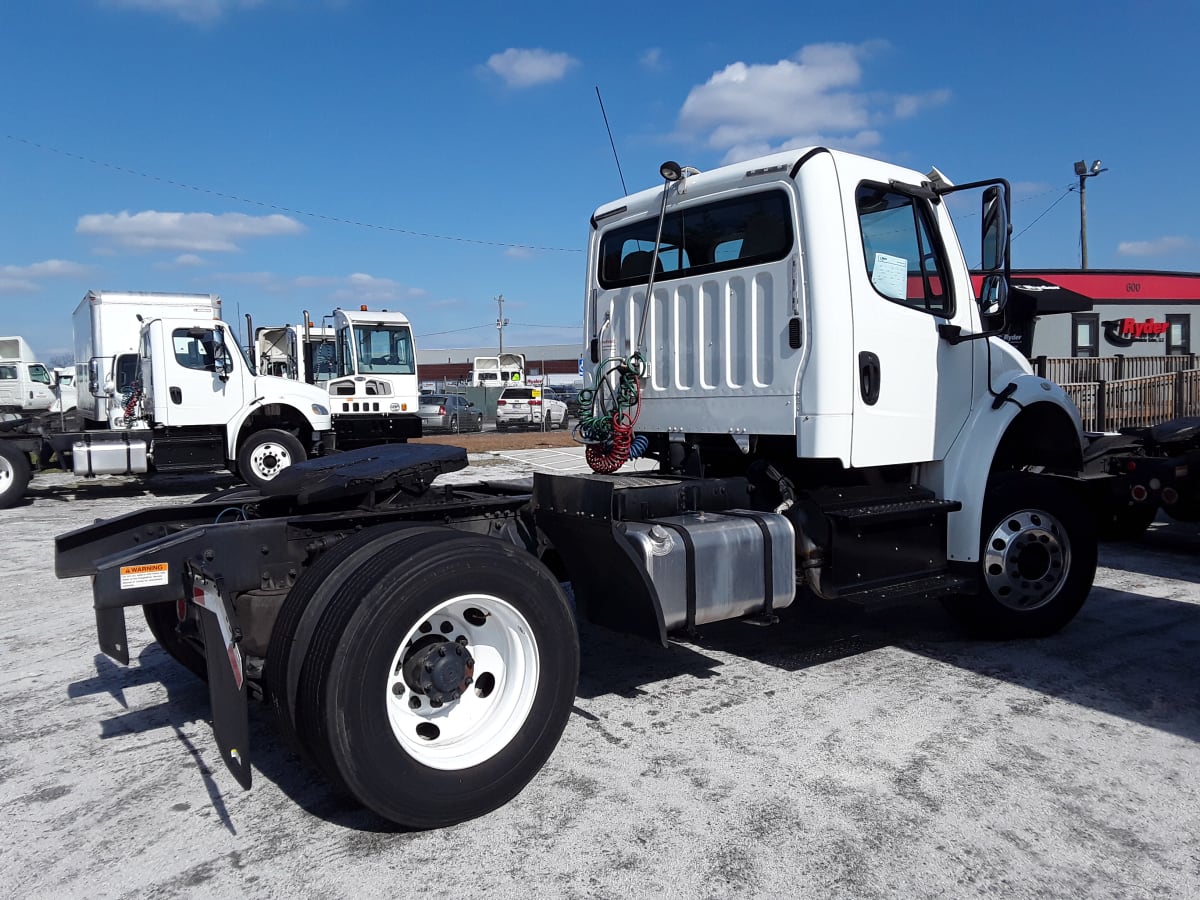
(193, 352)
(904, 261)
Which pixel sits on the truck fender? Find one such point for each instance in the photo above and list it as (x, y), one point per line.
(1035, 425)
(233, 428)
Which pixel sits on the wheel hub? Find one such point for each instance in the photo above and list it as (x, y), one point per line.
(439, 669)
(1026, 559)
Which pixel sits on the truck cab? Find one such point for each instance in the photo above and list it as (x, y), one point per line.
(374, 393)
(25, 384)
(807, 321)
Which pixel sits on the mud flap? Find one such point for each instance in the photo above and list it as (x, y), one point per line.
(110, 629)
(226, 675)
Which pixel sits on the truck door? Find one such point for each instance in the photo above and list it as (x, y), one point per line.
(913, 389)
(39, 392)
(202, 382)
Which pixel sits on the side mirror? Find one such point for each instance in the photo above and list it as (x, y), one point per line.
(993, 295)
(95, 378)
(221, 361)
(995, 230)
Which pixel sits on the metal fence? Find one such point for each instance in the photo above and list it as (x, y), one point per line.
(1136, 402)
(1078, 369)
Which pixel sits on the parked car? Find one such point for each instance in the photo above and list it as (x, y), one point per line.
(526, 407)
(569, 397)
(449, 412)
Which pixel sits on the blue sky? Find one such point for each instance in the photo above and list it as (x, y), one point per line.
(306, 154)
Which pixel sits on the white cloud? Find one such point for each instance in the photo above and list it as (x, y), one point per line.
(519, 253)
(25, 279)
(1163, 246)
(18, 286)
(183, 261)
(811, 98)
(196, 12)
(526, 68)
(50, 268)
(193, 232)
(651, 59)
(907, 105)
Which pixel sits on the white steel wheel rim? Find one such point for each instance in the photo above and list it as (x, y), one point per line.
(472, 729)
(7, 475)
(258, 459)
(1026, 559)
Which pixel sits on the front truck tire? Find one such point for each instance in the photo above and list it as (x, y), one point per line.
(264, 454)
(1037, 559)
(14, 475)
(440, 676)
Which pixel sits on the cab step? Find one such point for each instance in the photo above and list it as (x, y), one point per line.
(915, 590)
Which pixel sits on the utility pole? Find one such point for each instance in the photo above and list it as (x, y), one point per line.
(1084, 174)
(500, 320)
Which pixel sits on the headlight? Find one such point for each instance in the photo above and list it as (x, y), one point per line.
(319, 410)
(395, 407)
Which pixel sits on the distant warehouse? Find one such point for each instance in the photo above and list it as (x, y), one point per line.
(1103, 312)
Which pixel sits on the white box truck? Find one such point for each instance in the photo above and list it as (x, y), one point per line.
(183, 398)
(106, 325)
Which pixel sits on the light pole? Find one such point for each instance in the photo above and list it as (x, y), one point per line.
(500, 320)
(1084, 174)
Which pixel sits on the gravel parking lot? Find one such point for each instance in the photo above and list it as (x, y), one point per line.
(835, 754)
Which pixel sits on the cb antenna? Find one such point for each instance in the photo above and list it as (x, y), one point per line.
(610, 141)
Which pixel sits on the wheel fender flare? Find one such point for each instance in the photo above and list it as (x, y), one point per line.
(963, 474)
(234, 436)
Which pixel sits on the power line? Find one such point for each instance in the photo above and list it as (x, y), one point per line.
(1046, 210)
(286, 209)
(455, 330)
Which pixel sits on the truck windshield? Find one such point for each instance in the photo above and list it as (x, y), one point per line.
(384, 349)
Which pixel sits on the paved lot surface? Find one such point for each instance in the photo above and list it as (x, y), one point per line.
(833, 755)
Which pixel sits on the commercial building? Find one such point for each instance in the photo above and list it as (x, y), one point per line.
(1103, 312)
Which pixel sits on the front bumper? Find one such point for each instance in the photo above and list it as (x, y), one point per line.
(367, 430)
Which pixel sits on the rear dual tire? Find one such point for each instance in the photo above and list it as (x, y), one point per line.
(485, 621)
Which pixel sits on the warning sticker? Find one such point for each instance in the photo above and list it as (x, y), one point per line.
(146, 575)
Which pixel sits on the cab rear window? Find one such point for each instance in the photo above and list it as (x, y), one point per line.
(708, 237)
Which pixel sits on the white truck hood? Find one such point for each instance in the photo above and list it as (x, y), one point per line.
(304, 397)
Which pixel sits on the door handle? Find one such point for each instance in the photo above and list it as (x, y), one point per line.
(868, 377)
(176, 395)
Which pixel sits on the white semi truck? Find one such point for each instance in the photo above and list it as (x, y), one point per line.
(793, 340)
(182, 398)
(365, 359)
